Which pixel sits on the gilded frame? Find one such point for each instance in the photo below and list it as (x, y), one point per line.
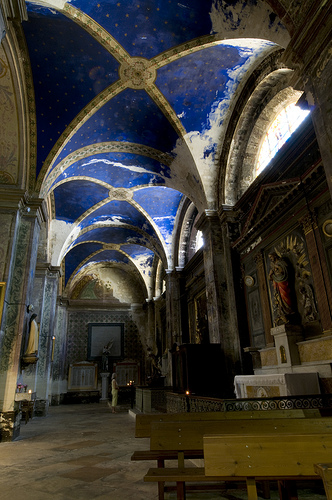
(2, 297)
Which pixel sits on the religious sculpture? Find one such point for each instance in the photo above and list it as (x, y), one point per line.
(283, 296)
(308, 302)
(106, 352)
(31, 352)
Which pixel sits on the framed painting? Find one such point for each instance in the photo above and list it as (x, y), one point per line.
(109, 336)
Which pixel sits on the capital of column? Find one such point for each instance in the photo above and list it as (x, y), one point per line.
(259, 259)
(13, 200)
(49, 270)
(227, 214)
(308, 223)
(62, 302)
(207, 217)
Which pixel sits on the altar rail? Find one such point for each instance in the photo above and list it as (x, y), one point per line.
(178, 403)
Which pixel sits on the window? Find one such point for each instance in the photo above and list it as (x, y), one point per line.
(286, 122)
(199, 240)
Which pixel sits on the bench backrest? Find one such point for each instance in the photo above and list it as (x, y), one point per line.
(264, 455)
(144, 421)
(189, 435)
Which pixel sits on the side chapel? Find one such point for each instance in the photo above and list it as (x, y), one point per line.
(165, 199)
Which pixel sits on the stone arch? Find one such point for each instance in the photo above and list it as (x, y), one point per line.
(270, 92)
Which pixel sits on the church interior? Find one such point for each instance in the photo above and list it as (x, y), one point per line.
(165, 204)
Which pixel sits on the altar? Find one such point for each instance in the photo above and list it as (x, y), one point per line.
(275, 385)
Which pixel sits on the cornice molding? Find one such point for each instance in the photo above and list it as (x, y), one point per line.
(291, 193)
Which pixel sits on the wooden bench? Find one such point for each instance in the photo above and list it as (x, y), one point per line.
(257, 457)
(250, 459)
(180, 438)
(325, 472)
(144, 420)
(184, 436)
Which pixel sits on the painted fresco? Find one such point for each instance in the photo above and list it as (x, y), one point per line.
(131, 98)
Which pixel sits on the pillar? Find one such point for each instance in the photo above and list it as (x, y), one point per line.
(21, 219)
(173, 308)
(59, 368)
(264, 296)
(319, 270)
(221, 302)
(46, 333)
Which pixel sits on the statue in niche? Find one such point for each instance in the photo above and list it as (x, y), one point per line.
(283, 356)
(31, 352)
(154, 367)
(283, 294)
(106, 352)
(308, 302)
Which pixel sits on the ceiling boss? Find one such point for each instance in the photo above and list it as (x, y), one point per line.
(137, 73)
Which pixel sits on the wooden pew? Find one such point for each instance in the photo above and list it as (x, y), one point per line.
(257, 457)
(250, 459)
(184, 437)
(144, 420)
(325, 472)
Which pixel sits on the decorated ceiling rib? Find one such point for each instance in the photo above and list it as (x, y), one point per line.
(131, 98)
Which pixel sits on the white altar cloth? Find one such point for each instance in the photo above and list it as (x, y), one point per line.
(290, 384)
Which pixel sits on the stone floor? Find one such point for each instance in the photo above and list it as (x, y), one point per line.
(83, 452)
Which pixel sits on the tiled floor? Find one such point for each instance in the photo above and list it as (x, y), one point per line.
(83, 452)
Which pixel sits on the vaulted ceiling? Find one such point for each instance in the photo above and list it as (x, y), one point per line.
(132, 98)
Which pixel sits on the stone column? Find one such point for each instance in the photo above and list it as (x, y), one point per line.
(173, 307)
(59, 373)
(221, 303)
(264, 296)
(21, 219)
(173, 319)
(150, 327)
(46, 333)
(319, 270)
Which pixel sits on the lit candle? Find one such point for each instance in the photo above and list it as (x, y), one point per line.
(29, 391)
(53, 342)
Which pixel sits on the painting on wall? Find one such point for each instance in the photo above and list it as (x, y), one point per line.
(104, 337)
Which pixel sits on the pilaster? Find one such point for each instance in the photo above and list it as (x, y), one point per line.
(59, 375)
(221, 300)
(21, 254)
(264, 296)
(319, 270)
(173, 308)
(46, 334)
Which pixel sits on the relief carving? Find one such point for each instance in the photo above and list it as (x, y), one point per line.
(293, 297)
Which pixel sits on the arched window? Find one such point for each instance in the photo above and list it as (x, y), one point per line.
(285, 123)
(199, 240)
